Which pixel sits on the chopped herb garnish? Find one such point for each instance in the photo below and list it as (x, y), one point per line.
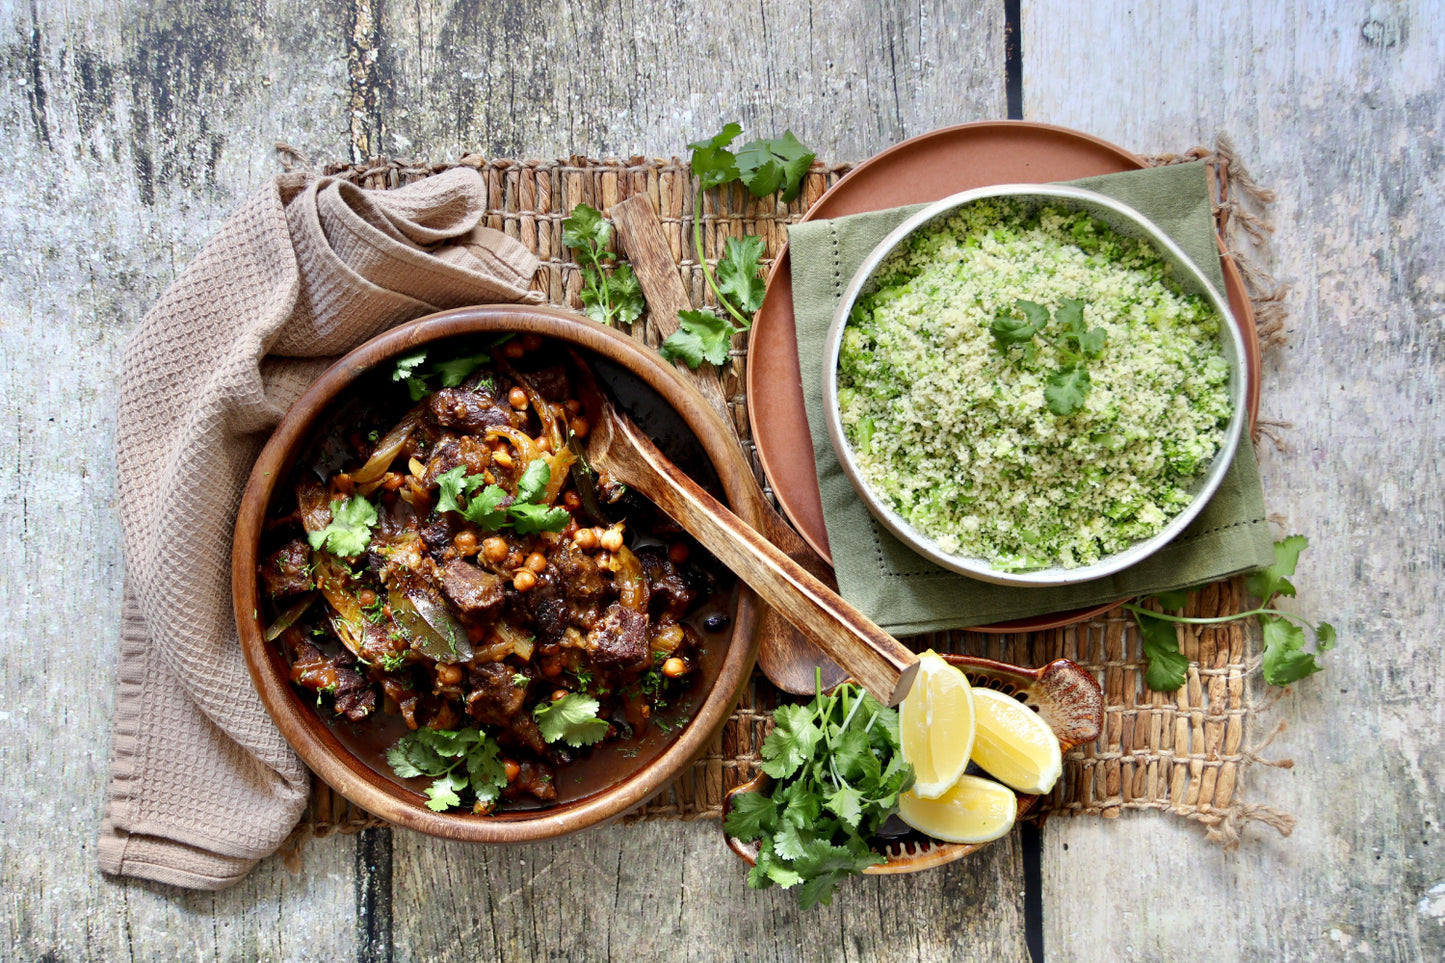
(572, 719)
(350, 528)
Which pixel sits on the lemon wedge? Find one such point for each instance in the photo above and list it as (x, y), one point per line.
(974, 810)
(1014, 744)
(935, 723)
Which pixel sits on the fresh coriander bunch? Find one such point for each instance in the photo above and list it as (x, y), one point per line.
(838, 771)
(607, 296)
(1285, 658)
(764, 167)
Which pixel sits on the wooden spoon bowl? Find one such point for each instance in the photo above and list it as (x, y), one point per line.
(318, 745)
(1064, 694)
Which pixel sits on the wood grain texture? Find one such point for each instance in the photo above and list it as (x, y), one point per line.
(132, 130)
(1340, 109)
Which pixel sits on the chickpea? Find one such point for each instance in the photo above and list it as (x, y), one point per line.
(558, 411)
(512, 770)
(678, 552)
(558, 694)
(393, 481)
(674, 668)
(544, 442)
(515, 558)
(513, 349)
(366, 597)
(537, 562)
(585, 539)
(531, 342)
(572, 406)
(448, 674)
(517, 398)
(571, 500)
(525, 580)
(495, 549)
(579, 426)
(466, 543)
(343, 484)
(612, 539)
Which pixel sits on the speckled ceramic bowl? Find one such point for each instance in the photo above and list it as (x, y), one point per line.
(1124, 220)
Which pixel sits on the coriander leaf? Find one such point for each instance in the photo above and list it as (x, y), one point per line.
(791, 840)
(1065, 389)
(454, 483)
(456, 370)
(701, 336)
(791, 743)
(401, 764)
(482, 509)
(737, 273)
(1168, 668)
(751, 815)
(1324, 637)
(442, 794)
(624, 291)
(824, 866)
(350, 528)
(766, 166)
(1092, 342)
(1285, 660)
(533, 481)
(448, 742)
(407, 364)
(847, 805)
(1008, 329)
(486, 771)
(1269, 582)
(712, 162)
(572, 718)
(529, 519)
(586, 228)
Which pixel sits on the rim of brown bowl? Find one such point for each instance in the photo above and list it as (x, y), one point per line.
(1070, 687)
(318, 747)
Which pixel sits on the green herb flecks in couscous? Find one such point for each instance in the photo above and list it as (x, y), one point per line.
(996, 421)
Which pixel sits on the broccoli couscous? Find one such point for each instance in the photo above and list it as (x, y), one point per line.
(1026, 386)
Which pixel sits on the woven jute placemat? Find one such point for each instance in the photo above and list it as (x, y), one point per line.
(1184, 752)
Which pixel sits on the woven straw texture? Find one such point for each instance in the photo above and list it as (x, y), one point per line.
(1184, 752)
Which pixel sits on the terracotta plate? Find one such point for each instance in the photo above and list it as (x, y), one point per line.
(925, 168)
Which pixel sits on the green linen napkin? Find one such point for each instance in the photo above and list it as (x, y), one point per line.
(899, 589)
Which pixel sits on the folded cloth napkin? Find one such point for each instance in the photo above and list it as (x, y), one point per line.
(899, 589)
(202, 784)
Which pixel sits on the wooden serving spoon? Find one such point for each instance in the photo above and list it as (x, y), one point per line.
(878, 661)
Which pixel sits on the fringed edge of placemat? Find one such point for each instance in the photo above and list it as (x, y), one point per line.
(1183, 752)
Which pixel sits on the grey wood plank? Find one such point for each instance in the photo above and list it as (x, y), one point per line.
(1339, 108)
(669, 890)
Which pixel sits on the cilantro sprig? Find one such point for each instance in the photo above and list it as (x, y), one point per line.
(457, 760)
(350, 529)
(838, 770)
(1076, 345)
(1285, 659)
(765, 166)
(451, 372)
(606, 296)
(457, 492)
(572, 719)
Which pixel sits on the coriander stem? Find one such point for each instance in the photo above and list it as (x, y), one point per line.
(707, 271)
(1289, 616)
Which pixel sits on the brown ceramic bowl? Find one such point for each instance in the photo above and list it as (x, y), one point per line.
(636, 369)
(1068, 698)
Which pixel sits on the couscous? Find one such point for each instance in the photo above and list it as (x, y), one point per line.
(955, 427)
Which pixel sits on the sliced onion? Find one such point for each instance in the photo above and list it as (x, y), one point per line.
(288, 618)
(389, 447)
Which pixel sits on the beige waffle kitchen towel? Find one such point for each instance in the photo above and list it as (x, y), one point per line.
(202, 784)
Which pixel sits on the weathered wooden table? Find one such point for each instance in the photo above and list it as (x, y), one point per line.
(134, 128)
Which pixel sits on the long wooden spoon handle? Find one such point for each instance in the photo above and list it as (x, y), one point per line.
(880, 663)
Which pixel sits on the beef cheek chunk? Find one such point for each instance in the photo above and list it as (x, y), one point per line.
(311, 668)
(546, 605)
(618, 640)
(470, 411)
(476, 594)
(288, 570)
(495, 699)
(669, 593)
